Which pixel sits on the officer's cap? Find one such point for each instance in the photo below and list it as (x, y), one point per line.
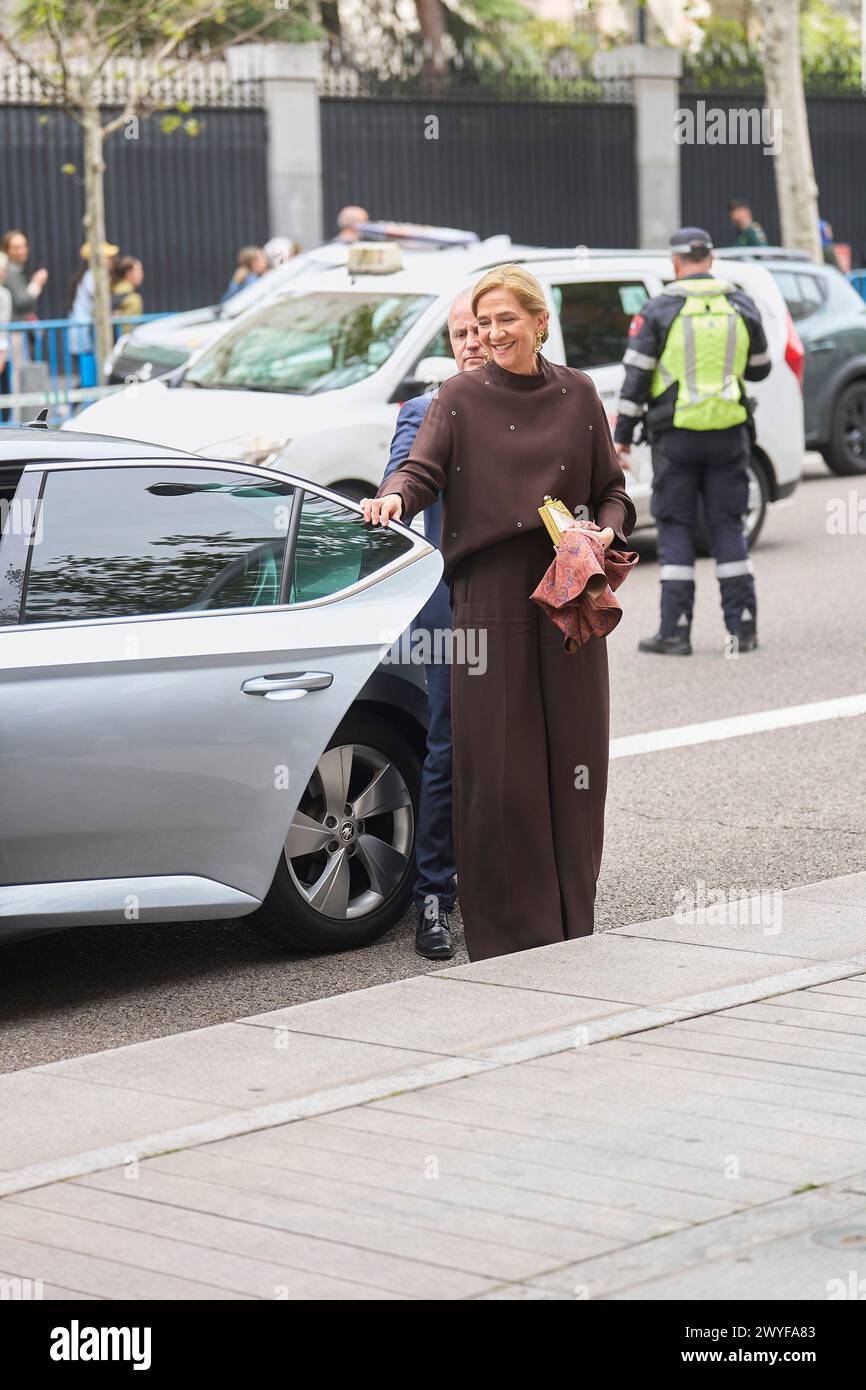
(690, 239)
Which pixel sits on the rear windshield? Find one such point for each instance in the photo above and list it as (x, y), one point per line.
(803, 293)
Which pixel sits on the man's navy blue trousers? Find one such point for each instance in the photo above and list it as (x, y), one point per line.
(707, 464)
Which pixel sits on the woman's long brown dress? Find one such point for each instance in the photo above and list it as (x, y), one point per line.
(530, 720)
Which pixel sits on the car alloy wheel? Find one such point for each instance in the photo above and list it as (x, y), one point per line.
(846, 452)
(854, 428)
(351, 838)
(757, 504)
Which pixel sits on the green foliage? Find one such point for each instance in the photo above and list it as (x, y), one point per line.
(831, 47)
(726, 57)
(140, 26)
(729, 59)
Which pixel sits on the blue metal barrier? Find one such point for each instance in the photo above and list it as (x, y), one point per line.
(67, 384)
(858, 280)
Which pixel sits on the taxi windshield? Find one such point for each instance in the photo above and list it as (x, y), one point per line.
(309, 343)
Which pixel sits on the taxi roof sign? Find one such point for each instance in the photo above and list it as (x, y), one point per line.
(374, 258)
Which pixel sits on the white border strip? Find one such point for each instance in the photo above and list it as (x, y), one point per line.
(759, 722)
(580, 1033)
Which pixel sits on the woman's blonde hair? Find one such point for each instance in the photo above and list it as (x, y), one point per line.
(525, 288)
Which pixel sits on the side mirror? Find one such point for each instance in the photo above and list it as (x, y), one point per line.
(432, 371)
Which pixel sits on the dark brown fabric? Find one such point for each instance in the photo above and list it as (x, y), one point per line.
(531, 732)
(528, 820)
(493, 443)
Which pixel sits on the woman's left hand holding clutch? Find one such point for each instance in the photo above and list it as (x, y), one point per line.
(605, 536)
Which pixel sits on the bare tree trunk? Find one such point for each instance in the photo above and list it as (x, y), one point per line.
(796, 189)
(94, 232)
(329, 11)
(434, 29)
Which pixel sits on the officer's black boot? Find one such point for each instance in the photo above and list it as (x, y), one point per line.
(741, 615)
(743, 641)
(666, 646)
(674, 635)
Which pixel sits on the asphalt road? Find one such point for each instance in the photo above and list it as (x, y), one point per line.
(769, 810)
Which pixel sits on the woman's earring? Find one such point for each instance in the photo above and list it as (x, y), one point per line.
(539, 339)
(485, 353)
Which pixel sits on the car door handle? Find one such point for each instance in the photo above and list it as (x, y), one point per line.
(287, 685)
(827, 345)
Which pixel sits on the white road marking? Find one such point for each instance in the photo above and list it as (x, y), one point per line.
(758, 722)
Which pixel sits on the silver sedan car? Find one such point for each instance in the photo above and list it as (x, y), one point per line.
(195, 722)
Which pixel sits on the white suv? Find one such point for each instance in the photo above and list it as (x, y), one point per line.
(312, 381)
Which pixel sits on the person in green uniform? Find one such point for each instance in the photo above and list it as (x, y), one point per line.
(748, 231)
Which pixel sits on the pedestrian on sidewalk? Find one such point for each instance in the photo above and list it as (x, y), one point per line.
(279, 251)
(126, 275)
(5, 344)
(748, 231)
(80, 310)
(530, 725)
(24, 288)
(251, 266)
(349, 222)
(435, 889)
(690, 351)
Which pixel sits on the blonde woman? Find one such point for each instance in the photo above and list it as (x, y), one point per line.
(252, 265)
(530, 726)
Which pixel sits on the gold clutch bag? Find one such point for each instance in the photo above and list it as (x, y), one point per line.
(553, 513)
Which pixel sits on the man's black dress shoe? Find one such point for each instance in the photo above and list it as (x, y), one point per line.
(666, 646)
(433, 936)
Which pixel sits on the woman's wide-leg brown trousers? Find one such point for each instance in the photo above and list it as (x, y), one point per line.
(531, 728)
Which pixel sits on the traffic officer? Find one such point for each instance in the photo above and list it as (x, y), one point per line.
(689, 351)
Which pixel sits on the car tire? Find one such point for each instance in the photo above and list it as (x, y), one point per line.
(354, 490)
(759, 497)
(846, 452)
(287, 917)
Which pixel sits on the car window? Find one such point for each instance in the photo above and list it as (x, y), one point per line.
(811, 293)
(335, 548)
(594, 316)
(308, 343)
(440, 346)
(802, 293)
(121, 542)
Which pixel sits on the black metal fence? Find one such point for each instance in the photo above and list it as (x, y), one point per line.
(713, 173)
(184, 203)
(551, 173)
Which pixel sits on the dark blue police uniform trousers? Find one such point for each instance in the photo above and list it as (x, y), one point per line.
(688, 464)
(434, 843)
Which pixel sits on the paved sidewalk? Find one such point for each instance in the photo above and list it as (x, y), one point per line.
(670, 1110)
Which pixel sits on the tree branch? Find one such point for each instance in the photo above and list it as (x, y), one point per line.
(67, 101)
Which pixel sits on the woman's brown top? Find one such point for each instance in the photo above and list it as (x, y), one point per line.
(493, 443)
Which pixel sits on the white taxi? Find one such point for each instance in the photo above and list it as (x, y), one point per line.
(312, 381)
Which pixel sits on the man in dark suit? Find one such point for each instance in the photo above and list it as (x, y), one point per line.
(435, 888)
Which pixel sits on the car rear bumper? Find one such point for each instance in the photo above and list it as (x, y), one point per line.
(783, 490)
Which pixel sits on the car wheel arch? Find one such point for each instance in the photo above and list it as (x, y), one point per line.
(850, 372)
